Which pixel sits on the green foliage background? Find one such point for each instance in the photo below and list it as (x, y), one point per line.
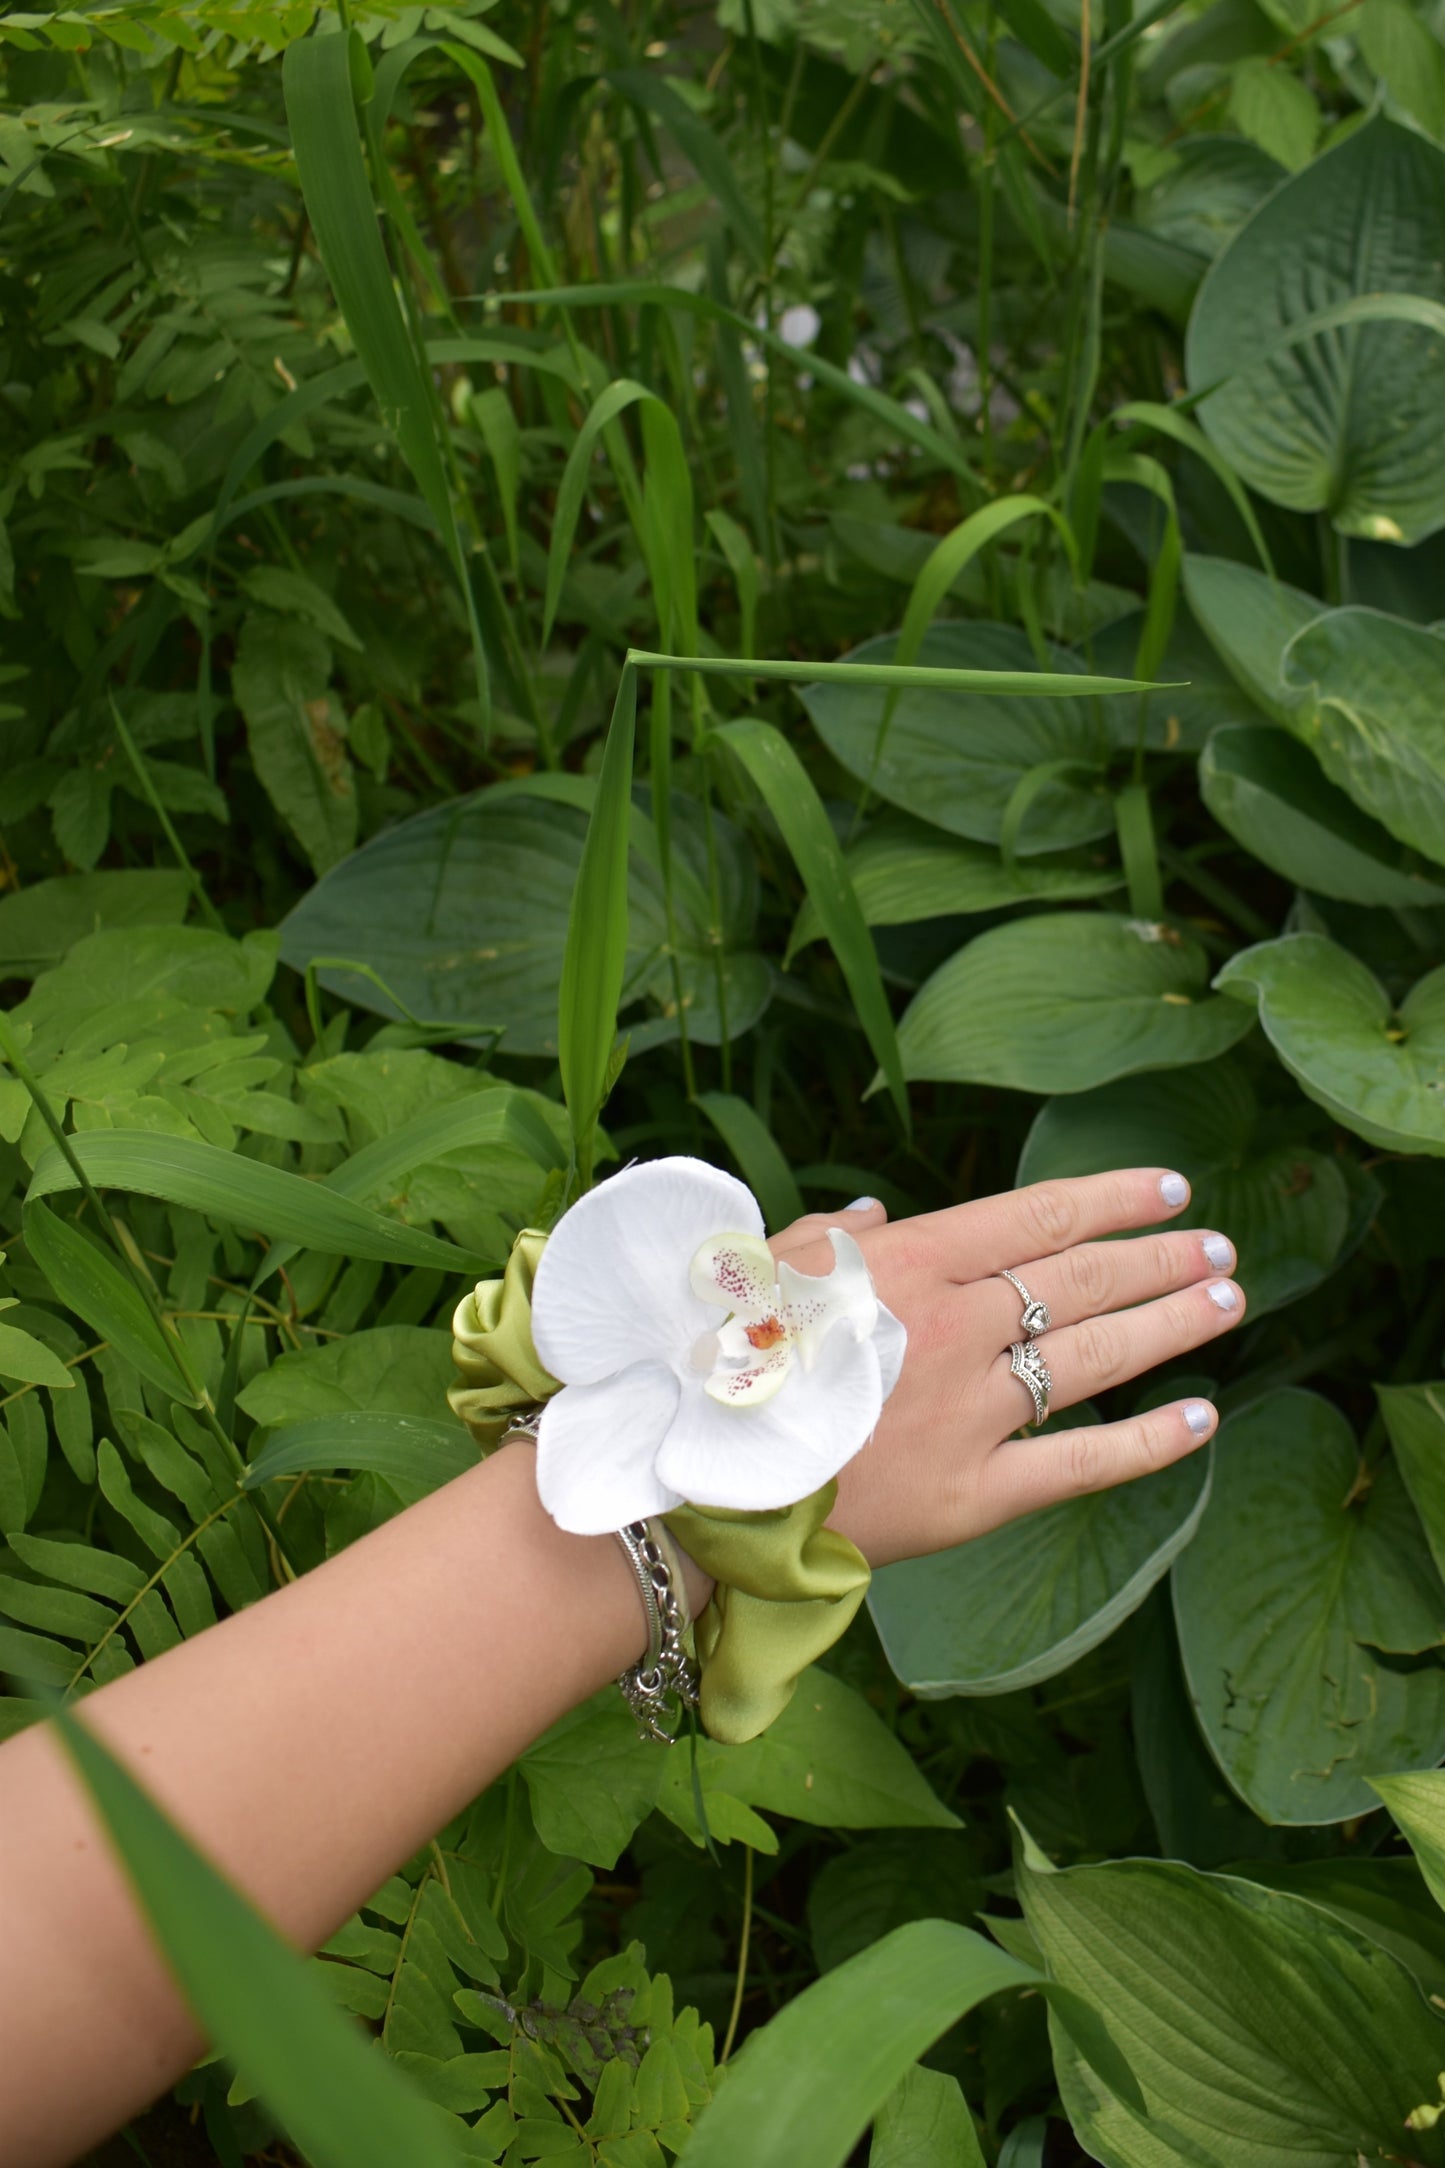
(525, 522)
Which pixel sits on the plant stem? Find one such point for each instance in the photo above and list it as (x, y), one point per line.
(747, 1929)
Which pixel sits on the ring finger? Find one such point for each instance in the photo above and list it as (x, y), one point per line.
(1097, 1277)
(1089, 1357)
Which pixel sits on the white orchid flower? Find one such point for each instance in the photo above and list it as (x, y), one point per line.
(693, 1367)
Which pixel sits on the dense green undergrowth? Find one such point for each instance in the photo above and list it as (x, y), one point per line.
(447, 458)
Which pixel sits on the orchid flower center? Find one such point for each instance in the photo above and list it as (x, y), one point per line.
(774, 1313)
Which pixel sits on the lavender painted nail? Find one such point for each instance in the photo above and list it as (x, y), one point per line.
(861, 1204)
(1199, 1416)
(1173, 1189)
(1219, 1251)
(1223, 1296)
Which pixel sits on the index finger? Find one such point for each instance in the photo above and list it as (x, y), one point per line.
(975, 1240)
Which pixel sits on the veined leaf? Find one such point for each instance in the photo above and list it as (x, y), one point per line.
(415, 1449)
(86, 1281)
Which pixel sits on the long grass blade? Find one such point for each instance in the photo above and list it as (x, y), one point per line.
(595, 959)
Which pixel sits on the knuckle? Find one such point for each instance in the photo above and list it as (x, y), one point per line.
(1084, 1460)
(1051, 1214)
(1167, 1261)
(1098, 1348)
(1093, 1276)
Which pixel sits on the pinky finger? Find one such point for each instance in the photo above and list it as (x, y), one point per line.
(1027, 1474)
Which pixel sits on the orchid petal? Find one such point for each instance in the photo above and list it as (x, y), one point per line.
(612, 1285)
(890, 1338)
(737, 1273)
(751, 1385)
(814, 1303)
(764, 1457)
(597, 1450)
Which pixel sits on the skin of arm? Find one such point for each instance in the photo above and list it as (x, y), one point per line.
(440, 1645)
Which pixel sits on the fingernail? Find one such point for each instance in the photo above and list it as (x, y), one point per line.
(861, 1204)
(1199, 1416)
(1173, 1189)
(1223, 1296)
(1219, 1250)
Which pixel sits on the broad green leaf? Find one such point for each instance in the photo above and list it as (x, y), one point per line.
(955, 757)
(1378, 1069)
(40, 923)
(1027, 1600)
(1182, 718)
(296, 731)
(804, 2088)
(1415, 1418)
(882, 1882)
(827, 1759)
(1064, 1001)
(484, 954)
(755, 1149)
(1416, 1800)
(591, 1780)
(88, 1282)
(420, 1451)
(1259, 2028)
(29, 1360)
(1249, 620)
(1273, 108)
(1267, 789)
(1285, 1205)
(924, 2122)
(256, 1997)
(1371, 689)
(794, 803)
(380, 1371)
(594, 961)
(245, 1193)
(1384, 1899)
(1403, 51)
(902, 872)
(1294, 1606)
(1350, 421)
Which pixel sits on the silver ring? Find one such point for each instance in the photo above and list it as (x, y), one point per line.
(1036, 1317)
(1029, 1367)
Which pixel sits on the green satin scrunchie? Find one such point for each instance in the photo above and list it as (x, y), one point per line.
(785, 1587)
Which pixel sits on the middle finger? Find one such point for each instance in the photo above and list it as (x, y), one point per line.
(1100, 1352)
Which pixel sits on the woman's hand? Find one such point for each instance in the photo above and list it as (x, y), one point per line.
(944, 1463)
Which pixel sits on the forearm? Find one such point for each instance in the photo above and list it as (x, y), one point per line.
(310, 1745)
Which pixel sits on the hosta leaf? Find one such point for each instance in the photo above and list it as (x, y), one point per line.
(1268, 790)
(1285, 1205)
(1259, 2028)
(1027, 1600)
(1064, 1001)
(1417, 1802)
(1378, 1070)
(1415, 1418)
(1285, 1601)
(925, 2122)
(1351, 420)
(1249, 620)
(1371, 690)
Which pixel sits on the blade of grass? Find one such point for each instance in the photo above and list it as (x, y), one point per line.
(595, 959)
(752, 1144)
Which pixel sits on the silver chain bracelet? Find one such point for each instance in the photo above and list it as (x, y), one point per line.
(664, 1675)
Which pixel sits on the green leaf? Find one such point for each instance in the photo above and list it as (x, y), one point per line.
(1416, 1799)
(1378, 1069)
(882, 1882)
(1403, 52)
(1269, 792)
(1285, 1601)
(333, 2095)
(594, 962)
(1064, 1001)
(1350, 420)
(954, 755)
(87, 1282)
(40, 923)
(1259, 2028)
(1371, 689)
(591, 1780)
(1249, 620)
(804, 2088)
(382, 1371)
(297, 733)
(794, 803)
(1285, 1205)
(1384, 1899)
(245, 1193)
(753, 1146)
(700, 147)
(1415, 1419)
(291, 594)
(30, 1361)
(420, 1451)
(902, 872)
(828, 1759)
(1274, 109)
(924, 2122)
(1025, 1601)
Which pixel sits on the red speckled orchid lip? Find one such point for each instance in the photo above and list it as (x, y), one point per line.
(692, 1366)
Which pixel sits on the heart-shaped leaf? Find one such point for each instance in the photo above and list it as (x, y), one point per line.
(1027, 1600)
(1372, 707)
(1379, 1071)
(1286, 1207)
(1249, 620)
(1415, 1418)
(1064, 1001)
(1348, 420)
(955, 759)
(1285, 1600)
(1269, 791)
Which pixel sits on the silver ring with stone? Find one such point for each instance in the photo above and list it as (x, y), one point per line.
(1036, 1317)
(1029, 1367)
